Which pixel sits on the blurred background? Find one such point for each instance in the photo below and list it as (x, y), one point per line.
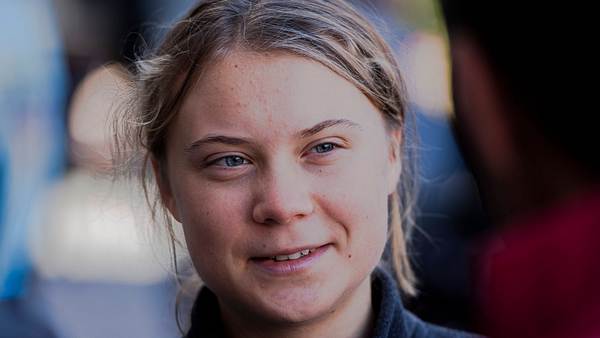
(78, 254)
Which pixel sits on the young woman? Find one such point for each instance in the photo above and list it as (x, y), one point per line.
(274, 129)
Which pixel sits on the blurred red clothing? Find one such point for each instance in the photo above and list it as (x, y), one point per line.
(541, 276)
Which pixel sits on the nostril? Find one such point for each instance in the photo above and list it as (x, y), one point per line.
(281, 203)
(270, 221)
(274, 218)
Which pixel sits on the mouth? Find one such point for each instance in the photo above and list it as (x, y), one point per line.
(289, 261)
(289, 255)
(293, 256)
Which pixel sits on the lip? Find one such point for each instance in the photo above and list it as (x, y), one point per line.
(286, 252)
(282, 268)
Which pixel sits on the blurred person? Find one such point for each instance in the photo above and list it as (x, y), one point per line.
(449, 215)
(275, 135)
(87, 204)
(526, 119)
(448, 212)
(99, 274)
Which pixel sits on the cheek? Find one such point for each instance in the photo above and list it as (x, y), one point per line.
(355, 197)
(213, 223)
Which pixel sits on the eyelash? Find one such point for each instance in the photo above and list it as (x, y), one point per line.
(331, 144)
(331, 147)
(224, 159)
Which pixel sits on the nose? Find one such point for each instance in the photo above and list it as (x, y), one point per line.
(282, 196)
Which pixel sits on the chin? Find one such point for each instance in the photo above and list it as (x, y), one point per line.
(297, 305)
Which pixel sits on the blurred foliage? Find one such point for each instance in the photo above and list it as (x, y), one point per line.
(422, 15)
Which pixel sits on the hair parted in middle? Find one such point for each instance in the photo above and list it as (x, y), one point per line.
(330, 32)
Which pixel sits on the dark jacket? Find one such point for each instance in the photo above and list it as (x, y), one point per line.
(547, 262)
(393, 321)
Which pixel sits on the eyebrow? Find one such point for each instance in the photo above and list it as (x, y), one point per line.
(212, 139)
(327, 124)
(304, 133)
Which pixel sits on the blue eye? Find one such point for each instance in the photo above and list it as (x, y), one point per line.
(231, 161)
(324, 147)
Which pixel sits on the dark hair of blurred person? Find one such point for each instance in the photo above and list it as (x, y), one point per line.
(521, 75)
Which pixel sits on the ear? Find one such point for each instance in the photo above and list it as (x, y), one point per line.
(481, 108)
(164, 187)
(395, 159)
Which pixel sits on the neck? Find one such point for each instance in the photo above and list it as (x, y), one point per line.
(351, 317)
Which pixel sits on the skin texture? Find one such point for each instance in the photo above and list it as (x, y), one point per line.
(276, 187)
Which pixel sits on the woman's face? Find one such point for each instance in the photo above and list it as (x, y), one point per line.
(279, 171)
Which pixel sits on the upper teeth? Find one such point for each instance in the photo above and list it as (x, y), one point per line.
(295, 255)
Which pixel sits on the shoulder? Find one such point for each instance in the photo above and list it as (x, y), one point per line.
(417, 328)
(394, 321)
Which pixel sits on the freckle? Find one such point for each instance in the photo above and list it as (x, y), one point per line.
(349, 255)
(235, 65)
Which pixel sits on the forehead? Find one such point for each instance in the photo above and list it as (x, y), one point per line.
(272, 92)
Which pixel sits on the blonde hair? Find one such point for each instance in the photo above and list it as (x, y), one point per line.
(330, 32)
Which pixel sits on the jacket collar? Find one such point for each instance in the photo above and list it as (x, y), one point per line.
(390, 322)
